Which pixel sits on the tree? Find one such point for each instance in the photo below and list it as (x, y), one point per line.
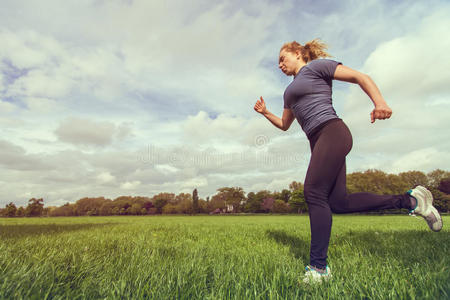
(162, 199)
(297, 201)
(184, 206)
(202, 206)
(376, 182)
(279, 206)
(122, 204)
(267, 204)
(294, 185)
(412, 179)
(20, 212)
(10, 210)
(135, 209)
(250, 203)
(35, 207)
(181, 197)
(217, 201)
(285, 195)
(435, 177)
(169, 208)
(89, 206)
(159, 204)
(441, 200)
(107, 208)
(63, 211)
(147, 205)
(195, 207)
(152, 211)
(228, 196)
(254, 201)
(444, 186)
(46, 210)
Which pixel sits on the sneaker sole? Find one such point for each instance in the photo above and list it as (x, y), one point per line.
(428, 195)
(436, 226)
(430, 209)
(309, 280)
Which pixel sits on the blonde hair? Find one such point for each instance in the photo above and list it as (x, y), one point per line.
(310, 51)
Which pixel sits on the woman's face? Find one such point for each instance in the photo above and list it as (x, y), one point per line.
(288, 62)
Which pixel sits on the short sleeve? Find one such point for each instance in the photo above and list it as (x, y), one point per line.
(285, 99)
(324, 68)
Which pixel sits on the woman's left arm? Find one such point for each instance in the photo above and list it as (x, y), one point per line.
(382, 110)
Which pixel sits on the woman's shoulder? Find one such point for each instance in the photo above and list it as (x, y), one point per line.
(323, 61)
(323, 67)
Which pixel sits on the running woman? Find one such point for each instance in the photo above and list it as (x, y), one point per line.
(308, 99)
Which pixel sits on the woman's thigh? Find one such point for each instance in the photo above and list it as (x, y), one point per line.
(328, 157)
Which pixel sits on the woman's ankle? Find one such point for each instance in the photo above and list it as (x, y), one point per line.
(323, 271)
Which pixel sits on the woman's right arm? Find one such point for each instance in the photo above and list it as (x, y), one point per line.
(284, 123)
(382, 110)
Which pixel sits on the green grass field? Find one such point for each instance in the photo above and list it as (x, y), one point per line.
(220, 257)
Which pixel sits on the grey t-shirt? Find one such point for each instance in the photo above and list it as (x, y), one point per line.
(309, 94)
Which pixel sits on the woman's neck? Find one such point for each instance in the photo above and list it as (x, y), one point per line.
(300, 65)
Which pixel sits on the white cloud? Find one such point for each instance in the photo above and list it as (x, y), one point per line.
(38, 84)
(26, 51)
(2, 85)
(40, 105)
(105, 177)
(6, 107)
(166, 168)
(81, 131)
(130, 185)
(196, 182)
(230, 133)
(414, 65)
(410, 72)
(14, 157)
(425, 159)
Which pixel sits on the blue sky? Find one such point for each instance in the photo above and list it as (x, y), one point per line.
(110, 98)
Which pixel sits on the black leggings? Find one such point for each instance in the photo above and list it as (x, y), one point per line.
(325, 187)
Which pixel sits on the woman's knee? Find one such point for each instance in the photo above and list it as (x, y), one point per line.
(338, 209)
(314, 194)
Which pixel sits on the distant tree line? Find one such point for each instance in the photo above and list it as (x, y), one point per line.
(234, 199)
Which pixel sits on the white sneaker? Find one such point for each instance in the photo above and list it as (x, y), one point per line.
(425, 208)
(313, 276)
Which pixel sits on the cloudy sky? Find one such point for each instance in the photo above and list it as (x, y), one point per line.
(134, 97)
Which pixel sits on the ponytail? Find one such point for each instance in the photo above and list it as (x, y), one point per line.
(310, 51)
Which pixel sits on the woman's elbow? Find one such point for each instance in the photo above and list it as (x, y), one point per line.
(362, 78)
(285, 127)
